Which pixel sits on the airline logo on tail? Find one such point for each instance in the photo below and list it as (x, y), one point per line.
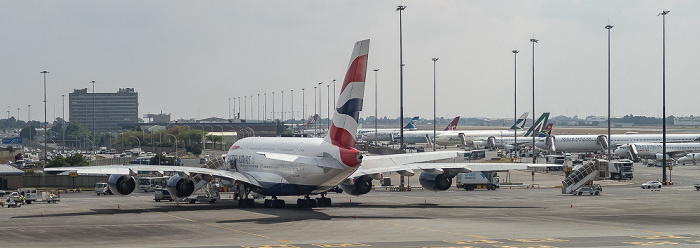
(311, 121)
(453, 125)
(547, 130)
(520, 120)
(537, 126)
(343, 128)
(412, 124)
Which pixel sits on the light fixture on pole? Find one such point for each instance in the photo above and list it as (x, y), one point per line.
(434, 102)
(663, 14)
(375, 106)
(534, 157)
(608, 27)
(400, 9)
(46, 135)
(515, 103)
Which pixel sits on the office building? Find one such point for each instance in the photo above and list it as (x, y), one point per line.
(104, 111)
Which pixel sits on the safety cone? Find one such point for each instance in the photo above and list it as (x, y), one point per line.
(42, 213)
(355, 215)
(117, 205)
(572, 205)
(350, 199)
(426, 200)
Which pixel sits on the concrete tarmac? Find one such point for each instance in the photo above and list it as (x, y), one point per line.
(623, 216)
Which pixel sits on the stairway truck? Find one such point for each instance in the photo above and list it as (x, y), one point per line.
(621, 169)
(478, 180)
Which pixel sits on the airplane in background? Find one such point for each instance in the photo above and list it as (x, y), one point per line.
(508, 142)
(635, 151)
(412, 133)
(416, 137)
(467, 137)
(385, 134)
(287, 166)
(311, 121)
(689, 158)
(595, 143)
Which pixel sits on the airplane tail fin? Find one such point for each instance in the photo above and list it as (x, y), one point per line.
(547, 130)
(415, 119)
(343, 129)
(453, 125)
(537, 126)
(520, 122)
(311, 121)
(410, 126)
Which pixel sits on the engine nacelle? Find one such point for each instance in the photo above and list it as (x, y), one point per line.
(179, 187)
(357, 186)
(121, 184)
(435, 182)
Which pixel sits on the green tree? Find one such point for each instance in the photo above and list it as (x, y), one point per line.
(10, 149)
(77, 160)
(162, 160)
(59, 161)
(26, 134)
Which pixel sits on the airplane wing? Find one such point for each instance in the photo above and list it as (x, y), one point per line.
(405, 163)
(459, 167)
(134, 169)
(325, 161)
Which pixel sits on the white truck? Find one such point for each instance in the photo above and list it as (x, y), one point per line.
(30, 194)
(621, 169)
(478, 180)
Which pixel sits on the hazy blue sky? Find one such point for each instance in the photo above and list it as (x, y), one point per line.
(188, 58)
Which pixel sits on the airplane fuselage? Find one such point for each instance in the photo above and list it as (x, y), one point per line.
(589, 143)
(281, 177)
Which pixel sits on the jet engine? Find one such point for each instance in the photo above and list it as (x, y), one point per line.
(435, 182)
(357, 186)
(180, 187)
(121, 184)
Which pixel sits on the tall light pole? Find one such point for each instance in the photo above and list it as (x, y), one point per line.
(400, 9)
(291, 94)
(239, 110)
(282, 105)
(320, 107)
(434, 102)
(375, 106)
(316, 122)
(46, 135)
(328, 106)
(63, 125)
(251, 107)
(515, 102)
(534, 157)
(303, 104)
(265, 108)
(273, 106)
(93, 114)
(29, 120)
(258, 108)
(245, 107)
(608, 27)
(663, 14)
(334, 101)
(229, 108)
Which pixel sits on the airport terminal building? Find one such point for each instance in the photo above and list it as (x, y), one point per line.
(104, 111)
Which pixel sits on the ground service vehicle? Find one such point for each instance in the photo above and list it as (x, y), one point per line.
(29, 194)
(162, 195)
(592, 189)
(150, 183)
(478, 180)
(102, 189)
(621, 169)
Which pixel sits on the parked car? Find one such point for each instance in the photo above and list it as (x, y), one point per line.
(651, 185)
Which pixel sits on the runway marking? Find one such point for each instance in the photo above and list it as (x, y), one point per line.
(652, 243)
(661, 237)
(471, 242)
(269, 246)
(341, 245)
(539, 240)
(421, 228)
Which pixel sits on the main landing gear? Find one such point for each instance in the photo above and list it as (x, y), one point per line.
(274, 203)
(308, 202)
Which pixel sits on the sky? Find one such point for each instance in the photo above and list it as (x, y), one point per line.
(188, 58)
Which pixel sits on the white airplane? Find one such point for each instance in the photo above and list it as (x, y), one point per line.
(467, 137)
(286, 166)
(655, 150)
(413, 134)
(594, 143)
(385, 134)
(509, 142)
(689, 158)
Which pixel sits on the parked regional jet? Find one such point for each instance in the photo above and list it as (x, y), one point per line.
(594, 143)
(286, 166)
(467, 137)
(385, 134)
(655, 150)
(509, 143)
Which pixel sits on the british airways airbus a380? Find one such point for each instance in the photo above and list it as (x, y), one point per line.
(285, 166)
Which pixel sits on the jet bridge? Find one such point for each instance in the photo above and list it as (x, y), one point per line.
(580, 175)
